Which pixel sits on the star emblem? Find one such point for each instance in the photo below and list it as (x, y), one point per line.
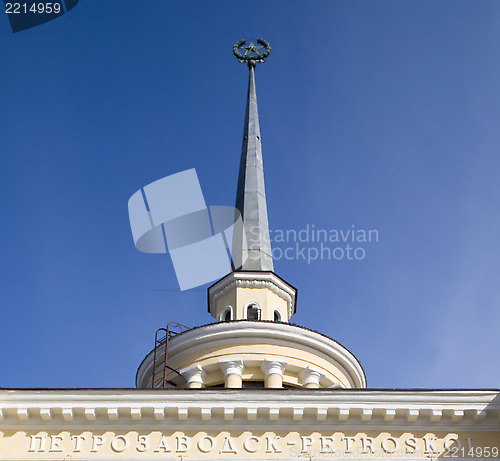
(252, 49)
(252, 53)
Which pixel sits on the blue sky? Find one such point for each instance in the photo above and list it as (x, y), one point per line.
(382, 115)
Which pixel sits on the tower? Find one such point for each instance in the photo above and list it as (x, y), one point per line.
(251, 343)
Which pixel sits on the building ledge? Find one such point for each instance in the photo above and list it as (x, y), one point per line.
(433, 410)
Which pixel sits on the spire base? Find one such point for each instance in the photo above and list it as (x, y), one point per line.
(252, 295)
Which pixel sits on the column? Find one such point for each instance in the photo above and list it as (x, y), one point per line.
(273, 370)
(233, 370)
(195, 376)
(310, 377)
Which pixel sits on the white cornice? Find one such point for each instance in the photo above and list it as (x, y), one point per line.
(354, 409)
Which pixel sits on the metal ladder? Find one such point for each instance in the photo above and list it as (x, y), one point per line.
(160, 355)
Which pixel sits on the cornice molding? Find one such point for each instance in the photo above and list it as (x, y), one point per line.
(355, 409)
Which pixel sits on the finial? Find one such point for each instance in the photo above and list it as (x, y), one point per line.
(252, 54)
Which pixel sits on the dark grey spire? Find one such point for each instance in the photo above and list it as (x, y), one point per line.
(253, 243)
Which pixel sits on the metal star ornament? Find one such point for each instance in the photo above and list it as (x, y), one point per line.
(252, 49)
(252, 54)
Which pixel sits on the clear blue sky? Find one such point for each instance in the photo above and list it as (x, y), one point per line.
(383, 115)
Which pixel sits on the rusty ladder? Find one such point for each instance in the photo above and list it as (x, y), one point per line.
(160, 354)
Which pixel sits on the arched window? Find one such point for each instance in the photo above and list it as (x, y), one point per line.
(253, 311)
(277, 315)
(227, 314)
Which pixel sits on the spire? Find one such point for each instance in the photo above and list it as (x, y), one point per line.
(254, 242)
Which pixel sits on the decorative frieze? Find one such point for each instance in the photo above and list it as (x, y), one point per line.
(471, 410)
